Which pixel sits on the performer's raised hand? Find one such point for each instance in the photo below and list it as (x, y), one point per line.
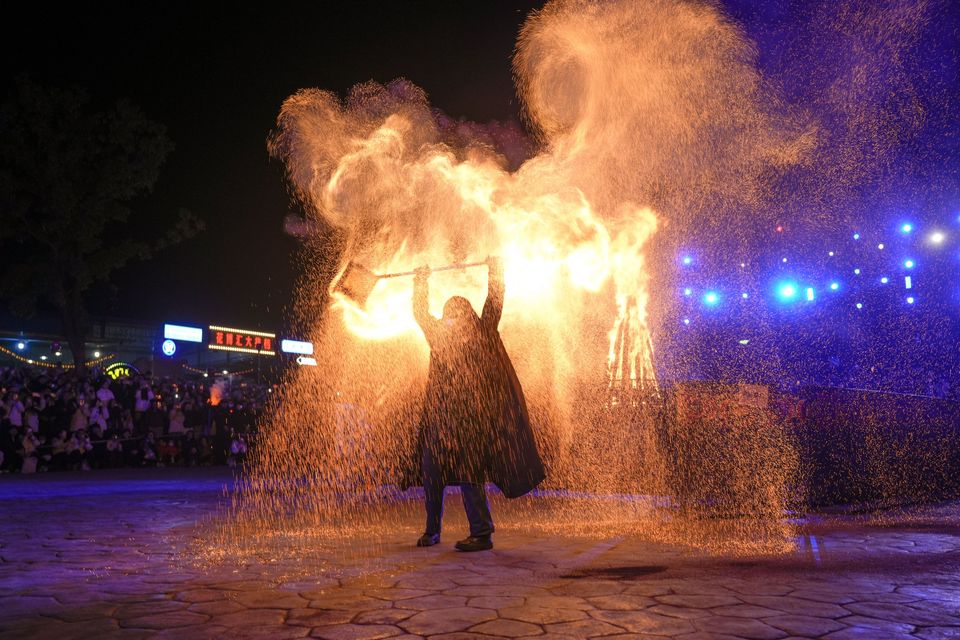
(422, 272)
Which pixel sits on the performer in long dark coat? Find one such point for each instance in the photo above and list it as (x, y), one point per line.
(474, 427)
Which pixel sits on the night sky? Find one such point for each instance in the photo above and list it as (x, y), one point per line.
(216, 76)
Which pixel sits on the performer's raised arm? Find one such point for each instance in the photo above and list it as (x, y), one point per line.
(421, 305)
(493, 307)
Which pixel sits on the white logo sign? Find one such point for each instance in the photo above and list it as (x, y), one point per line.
(169, 347)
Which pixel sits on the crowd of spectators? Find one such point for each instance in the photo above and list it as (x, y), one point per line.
(52, 419)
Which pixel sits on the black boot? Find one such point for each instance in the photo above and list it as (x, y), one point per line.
(428, 540)
(475, 543)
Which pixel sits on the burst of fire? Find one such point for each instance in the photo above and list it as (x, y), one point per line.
(636, 108)
(549, 243)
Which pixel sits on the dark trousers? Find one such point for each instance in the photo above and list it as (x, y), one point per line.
(474, 502)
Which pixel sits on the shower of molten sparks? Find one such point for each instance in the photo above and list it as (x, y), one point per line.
(636, 107)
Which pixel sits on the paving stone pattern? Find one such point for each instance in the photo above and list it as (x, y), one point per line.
(108, 564)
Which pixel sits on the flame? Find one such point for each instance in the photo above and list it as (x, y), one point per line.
(216, 393)
(549, 243)
(547, 246)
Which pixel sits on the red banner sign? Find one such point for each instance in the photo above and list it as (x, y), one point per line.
(241, 340)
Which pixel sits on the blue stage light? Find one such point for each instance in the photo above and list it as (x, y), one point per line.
(907, 282)
(859, 305)
(910, 300)
(688, 291)
(21, 346)
(810, 294)
(857, 271)
(711, 298)
(744, 295)
(908, 264)
(880, 246)
(686, 321)
(787, 291)
(884, 280)
(906, 227)
(688, 260)
(856, 236)
(834, 286)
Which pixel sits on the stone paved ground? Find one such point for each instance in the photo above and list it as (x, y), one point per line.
(100, 556)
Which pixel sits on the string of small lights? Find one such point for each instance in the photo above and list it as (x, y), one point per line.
(53, 365)
(871, 262)
(202, 372)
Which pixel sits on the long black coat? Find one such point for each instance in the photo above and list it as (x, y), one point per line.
(474, 422)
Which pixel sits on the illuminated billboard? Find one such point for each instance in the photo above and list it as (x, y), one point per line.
(241, 340)
(182, 333)
(296, 346)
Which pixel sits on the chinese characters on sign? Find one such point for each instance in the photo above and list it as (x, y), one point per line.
(244, 340)
(241, 340)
